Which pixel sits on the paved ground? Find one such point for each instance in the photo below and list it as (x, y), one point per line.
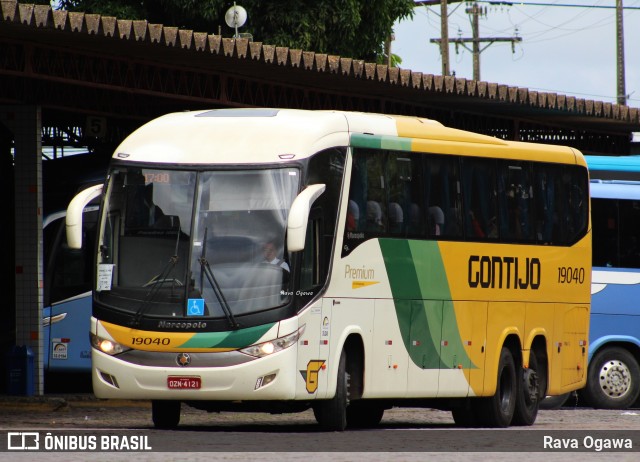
(84, 412)
(79, 410)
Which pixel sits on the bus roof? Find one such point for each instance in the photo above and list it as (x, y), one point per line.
(228, 136)
(613, 163)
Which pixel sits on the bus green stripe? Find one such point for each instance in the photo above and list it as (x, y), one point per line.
(423, 303)
(231, 339)
(381, 142)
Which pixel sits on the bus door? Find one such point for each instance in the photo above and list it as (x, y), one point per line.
(67, 296)
(342, 317)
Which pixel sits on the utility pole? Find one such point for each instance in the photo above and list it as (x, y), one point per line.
(622, 93)
(444, 33)
(444, 29)
(475, 11)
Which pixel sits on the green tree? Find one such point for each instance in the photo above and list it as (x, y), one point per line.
(350, 28)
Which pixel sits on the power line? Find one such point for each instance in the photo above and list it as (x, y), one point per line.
(608, 7)
(474, 11)
(501, 3)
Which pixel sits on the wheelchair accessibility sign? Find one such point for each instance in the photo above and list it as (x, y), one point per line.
(195, 307)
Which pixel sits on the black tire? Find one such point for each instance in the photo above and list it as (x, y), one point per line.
(554, 402)
(464, 415)
(497, 411)
(165, 414)
(363, 414)
(528, 395)
(331, 414)
(613, 379)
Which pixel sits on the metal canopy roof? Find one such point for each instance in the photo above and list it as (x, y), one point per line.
(76, 64)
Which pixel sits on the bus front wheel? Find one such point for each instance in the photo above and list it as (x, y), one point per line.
(165, 414)
(331, 414)
(498, 410)
(613, 380)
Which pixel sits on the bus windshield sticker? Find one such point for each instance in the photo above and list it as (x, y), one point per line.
(105, 274)
(196, 307)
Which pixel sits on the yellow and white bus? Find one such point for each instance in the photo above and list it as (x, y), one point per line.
(281, 260)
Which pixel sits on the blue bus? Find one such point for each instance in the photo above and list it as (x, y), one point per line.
(613, 380)
(67, 272)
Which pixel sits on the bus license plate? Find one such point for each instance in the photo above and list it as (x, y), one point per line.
(184, 383)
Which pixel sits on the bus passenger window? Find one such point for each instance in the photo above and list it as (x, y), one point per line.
(396, 218)
(442, 191)
(436, 220)
(479, 186)
(374, 217)
(353, 216)
(516, 196)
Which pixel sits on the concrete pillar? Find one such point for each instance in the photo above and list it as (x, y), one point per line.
(26, 123)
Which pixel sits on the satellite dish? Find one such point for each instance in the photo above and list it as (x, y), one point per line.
(235, 17)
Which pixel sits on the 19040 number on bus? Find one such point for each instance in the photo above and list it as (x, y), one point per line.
(570, 275)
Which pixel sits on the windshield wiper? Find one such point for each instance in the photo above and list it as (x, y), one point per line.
(205, 270)
(157, 282)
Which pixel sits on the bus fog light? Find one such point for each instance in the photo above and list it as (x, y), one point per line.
(110, 379)
(265, 380)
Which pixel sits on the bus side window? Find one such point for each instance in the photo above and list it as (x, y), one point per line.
(516, 198)
(443, 194)
(311, 268)
(326, 167)
(479, 186)
(575, 214)
(545, 200)
(629, 233)
(606, 218)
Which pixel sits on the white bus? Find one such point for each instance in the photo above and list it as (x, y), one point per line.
(281, 260)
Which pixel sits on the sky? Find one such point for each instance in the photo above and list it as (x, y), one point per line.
(568, 50)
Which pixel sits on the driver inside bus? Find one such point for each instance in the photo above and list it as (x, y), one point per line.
(270, 253)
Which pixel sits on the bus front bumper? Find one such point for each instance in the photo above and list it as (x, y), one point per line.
(268, 378)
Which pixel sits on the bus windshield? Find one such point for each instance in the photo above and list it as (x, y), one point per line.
(190, 244)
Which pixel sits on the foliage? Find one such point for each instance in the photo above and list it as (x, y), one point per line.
(350, 28)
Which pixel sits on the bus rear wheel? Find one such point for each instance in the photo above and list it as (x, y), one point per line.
(498, 410)
(331, 414)
(528, 394)
(613, 380)
(165, 414)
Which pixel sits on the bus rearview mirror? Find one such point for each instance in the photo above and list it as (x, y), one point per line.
(299, 216)
(74, 215)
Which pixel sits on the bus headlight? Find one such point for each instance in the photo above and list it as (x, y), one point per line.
(107, 346)
(260, 350)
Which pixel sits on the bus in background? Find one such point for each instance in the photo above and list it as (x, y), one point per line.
(67, 272)
(277, 260)
(613, 380)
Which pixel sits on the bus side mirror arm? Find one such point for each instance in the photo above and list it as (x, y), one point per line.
(74, 215)
(299, 216)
